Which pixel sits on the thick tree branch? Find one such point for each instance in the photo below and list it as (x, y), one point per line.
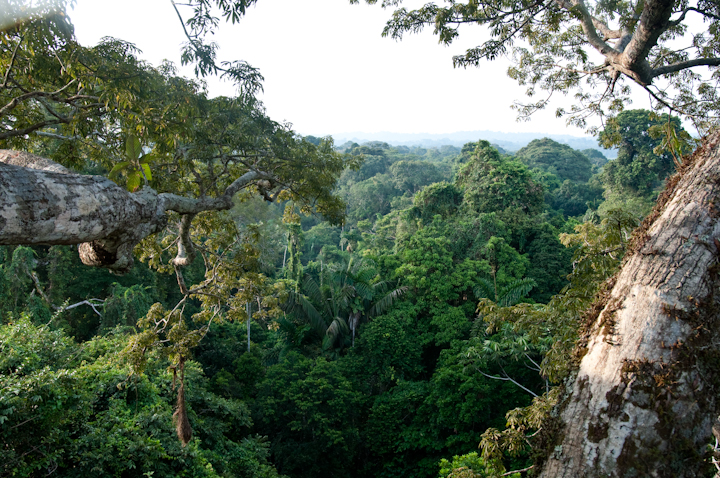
(47, 204)
(607, 33)
(682, 65)
(654, 21)
(587, 22)
(187, 205)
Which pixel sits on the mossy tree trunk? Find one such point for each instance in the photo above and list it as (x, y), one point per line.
(644, 399)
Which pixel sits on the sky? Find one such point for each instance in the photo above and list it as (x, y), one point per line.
(328, 70)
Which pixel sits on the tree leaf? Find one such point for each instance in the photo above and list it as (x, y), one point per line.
(133, 181)
(146, 170)
(117, 168)
(133, 149)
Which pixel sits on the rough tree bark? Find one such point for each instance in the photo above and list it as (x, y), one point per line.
(644, 399)
(44, 203)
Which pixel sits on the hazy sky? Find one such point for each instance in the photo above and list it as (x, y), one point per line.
(328, 70)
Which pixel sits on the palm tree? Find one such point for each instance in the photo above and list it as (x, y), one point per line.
(366, 297)
(505, 296)
(349, 292)
(321, 309)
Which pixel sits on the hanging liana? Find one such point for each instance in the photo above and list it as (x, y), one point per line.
(180, 418)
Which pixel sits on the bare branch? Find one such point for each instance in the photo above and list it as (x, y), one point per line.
(508, 378)
(12, 62)
(33, 94)
(682, 65)
(85, 302)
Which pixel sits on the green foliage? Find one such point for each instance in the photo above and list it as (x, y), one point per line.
(599, 247)
(349, 293)
(509, 295)
(506, 265)
(549, 263)
(125, 306)
(504, 347)
(411, 176)
(425, 378)
(310, 410)
(555, 158)
(471, 465)
(356, 376)
(551, 329)
(73, 410)
(641, 163)
(389, 348)
(492, 183)
(597, 158)
(440, 283)
(371, 197)
(319, 236)
(574, 199)
(135, 167)
(439, 199)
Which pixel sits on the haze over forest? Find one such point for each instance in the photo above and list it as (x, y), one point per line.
(507, 141)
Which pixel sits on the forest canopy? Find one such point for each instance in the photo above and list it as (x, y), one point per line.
(290, 308)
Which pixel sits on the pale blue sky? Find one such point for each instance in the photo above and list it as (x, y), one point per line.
(328, 70)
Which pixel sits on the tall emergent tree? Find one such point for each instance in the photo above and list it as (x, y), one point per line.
(590, 47)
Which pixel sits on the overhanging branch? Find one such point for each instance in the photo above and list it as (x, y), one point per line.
(682, 65)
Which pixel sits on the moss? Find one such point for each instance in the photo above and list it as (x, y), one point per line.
(626, 459)
(545, 442)
(590, 317)
(615, 400)
(597, 432)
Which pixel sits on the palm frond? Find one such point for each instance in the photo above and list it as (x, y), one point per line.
(516, 290)
(312, 289)
(337, 328)
(314, 318)
(364, 290)
(484, 290)
(386, 301)
(380, 287)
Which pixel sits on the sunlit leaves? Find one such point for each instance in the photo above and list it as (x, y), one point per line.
(135, 167)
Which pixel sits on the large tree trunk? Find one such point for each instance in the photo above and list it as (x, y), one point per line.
(644, 399)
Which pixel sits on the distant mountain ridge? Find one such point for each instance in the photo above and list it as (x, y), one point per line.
(508, 141)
